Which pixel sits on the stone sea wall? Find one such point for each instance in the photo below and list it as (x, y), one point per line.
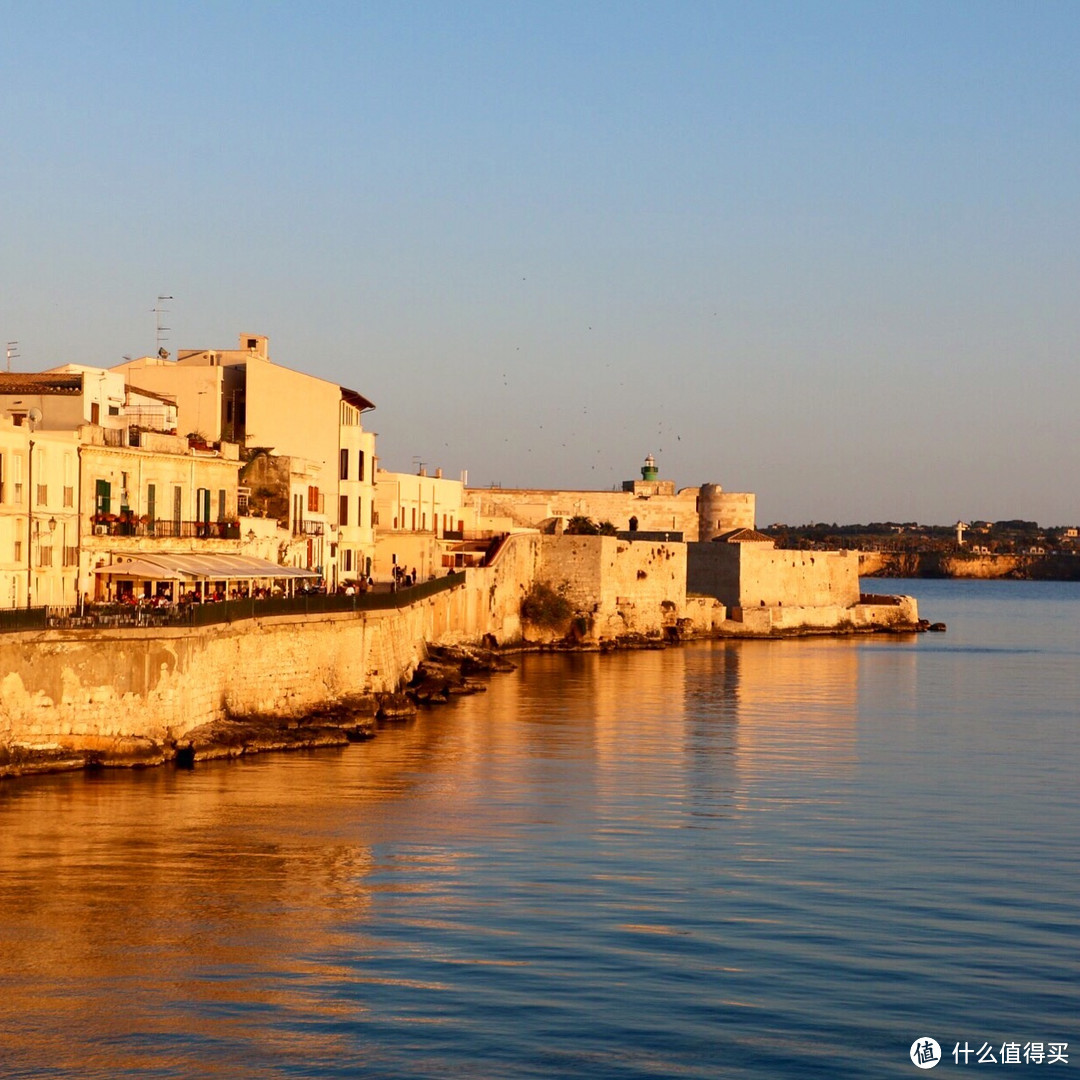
(136, 694)
(76, 691)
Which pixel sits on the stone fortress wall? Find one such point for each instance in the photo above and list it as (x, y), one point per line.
(125, 688)
(624, 587)
(752, 575)
(696, 513)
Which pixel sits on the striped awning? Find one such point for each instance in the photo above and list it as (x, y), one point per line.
(189, 567)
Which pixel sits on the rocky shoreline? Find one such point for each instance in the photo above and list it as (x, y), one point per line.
(445, 674)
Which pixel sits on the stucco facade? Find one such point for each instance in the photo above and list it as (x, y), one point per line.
(420, 519)
(159, 496)
(242, 395)
(39, 527)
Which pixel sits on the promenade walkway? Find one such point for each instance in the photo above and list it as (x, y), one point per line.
(120, 616)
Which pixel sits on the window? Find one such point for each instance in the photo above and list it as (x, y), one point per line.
(42, 494)
(114, 410)
(45, 555)
(177, 506)
(16, 493)
(69, 496)
(359, 510)
(151, 502)
(221, 504)
(18, 551)
(414, 519)
(102, 497)
(95, 412)
(202, 504)
(348, 560)
(360, 465)
(344, 464)
(313, 499)
(343, 514)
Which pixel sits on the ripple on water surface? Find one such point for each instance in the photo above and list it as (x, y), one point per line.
(761, 859)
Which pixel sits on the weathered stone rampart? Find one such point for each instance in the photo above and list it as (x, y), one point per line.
(76, 692)
(688, 511)
(71, 689)
(624, 587)
(754, 575)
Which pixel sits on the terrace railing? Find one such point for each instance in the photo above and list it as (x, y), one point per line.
(122, 616)
(164, 528)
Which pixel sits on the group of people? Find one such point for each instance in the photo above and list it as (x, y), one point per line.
(164, 597)
(361, 586)
(404, 579)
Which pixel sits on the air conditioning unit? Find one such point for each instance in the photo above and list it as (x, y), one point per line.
(101, 530)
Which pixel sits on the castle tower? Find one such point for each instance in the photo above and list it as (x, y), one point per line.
(720, 511)
(710, 511)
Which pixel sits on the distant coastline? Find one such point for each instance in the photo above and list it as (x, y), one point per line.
(963, 564)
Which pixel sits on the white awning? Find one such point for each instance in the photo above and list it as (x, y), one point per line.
(188, 567)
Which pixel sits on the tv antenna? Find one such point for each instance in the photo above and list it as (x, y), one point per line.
(12, 352)
(162, 331)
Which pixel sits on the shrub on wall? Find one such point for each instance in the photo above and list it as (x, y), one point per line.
(580, 525)
(544, 606)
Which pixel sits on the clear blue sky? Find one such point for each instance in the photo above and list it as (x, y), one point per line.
(827, 252)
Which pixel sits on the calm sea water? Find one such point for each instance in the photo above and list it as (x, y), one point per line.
(726, 860)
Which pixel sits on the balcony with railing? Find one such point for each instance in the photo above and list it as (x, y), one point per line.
(308, 528)
(162, 529)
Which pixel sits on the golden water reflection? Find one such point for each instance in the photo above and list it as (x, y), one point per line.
(233, 919)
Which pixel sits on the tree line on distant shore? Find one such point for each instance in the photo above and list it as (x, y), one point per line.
(1011, 537)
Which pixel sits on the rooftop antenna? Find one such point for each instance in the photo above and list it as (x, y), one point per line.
(162, 331)
(12, 353)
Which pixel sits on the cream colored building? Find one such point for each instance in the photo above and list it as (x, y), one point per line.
(108, 477)
(290, 493)
(243, 396)
(423, 523)
(158, 496)
(63, 398)
(39, 528)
